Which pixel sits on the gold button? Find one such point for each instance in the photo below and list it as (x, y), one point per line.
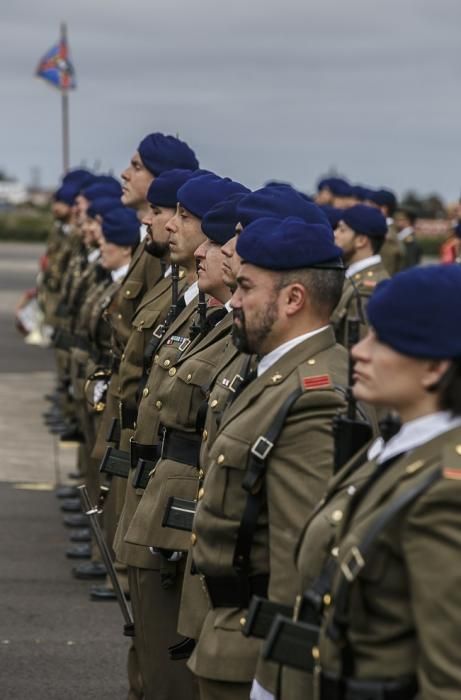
(243, 621)
(189, 377)
(193, 538)
(145, 392)
(276, 377)
(458, 449)
(205, 435)
(220, 459)
(335, 552)
(200, 493)
(311, 361)
(158, 404)
(315, 653)
(123, 355)
(201, 473)
(172, 371)
(156, 359)
(370, 274)
(214, 403)
(128, 292)
(119, 316)
(337, 515)
(327, 599)
(167, 363)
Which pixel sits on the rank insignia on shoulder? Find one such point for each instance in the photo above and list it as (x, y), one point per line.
(320, 381)
(452, 474)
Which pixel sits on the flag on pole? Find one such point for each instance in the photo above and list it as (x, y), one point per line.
(56, 67)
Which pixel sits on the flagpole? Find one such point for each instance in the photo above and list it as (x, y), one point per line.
(65, 115)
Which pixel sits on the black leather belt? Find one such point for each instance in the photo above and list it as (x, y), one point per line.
(128, 416)
(351, 689)
(181, 447)
(150, 453)
(235, 591)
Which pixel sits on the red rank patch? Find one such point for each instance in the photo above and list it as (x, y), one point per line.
(369, 283)
(452, 474)
(318, 382)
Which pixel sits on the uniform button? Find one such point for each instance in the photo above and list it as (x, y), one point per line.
(335, 552)
(156, 359)
(311, 361)
(458, 449)
(315, 653)
(193, 538)
(167, 363)
(172, 371)
(145, 391)
(214, 403)
(243, 621)
(327, 599)
(123, 355)
(337, 515)
(128, 292)
(200, 493)
(119, 316)
(201, 473)
(158, 404)
(205, 435)
(189, 377)
(220, 459)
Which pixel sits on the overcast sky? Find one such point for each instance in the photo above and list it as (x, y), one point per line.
(260, 89)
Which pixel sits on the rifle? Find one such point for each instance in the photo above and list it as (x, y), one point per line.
(199, 326)
(93, 512)
(349, 432)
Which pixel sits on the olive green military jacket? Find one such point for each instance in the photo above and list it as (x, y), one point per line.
(194, 601)
(404, 611)
(182, 399)
(392, 252)
(412, 251)
(151, 311)
(356, 293)
(298, 468)
(316, 545)
(171, 347)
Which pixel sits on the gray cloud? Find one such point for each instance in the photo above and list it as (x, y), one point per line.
(260, 89)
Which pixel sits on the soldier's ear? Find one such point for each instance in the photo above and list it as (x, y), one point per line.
(438, 375)
(294, 298)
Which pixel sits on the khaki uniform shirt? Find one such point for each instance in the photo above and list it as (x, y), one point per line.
(392, 252)
(298, 468)
(404, 612)
(356, 293)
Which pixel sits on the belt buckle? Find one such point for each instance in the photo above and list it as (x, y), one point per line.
(353, 563)
(237, 378)
(185, 342)
(261, 447)
(158, 332)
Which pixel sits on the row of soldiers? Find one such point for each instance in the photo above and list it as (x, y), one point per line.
(272, 543)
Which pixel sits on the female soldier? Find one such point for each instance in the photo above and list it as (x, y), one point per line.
(389, 532)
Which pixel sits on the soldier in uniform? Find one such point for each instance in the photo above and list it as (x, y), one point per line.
(195, 197)
(392, 250)
(391, 592)
(404, 221)
(258, 490)
(360, 234)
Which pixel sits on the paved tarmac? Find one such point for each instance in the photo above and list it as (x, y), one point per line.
(54, 642)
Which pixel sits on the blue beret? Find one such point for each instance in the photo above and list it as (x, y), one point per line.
(160, 152)
(383, 198)
(220, 221)
(278, 201)
(79, 177)
(333, 214)
(163, 191)
(323, 184)
(66, 193)
(339, 187)
(288, 244)
(109, 188)
(121, 226)
(361, 193)
(418, 313)
(201, 193)
(367, 220)
(457, 230)
(102, 205)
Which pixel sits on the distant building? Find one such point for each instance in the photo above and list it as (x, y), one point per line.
(12, 192)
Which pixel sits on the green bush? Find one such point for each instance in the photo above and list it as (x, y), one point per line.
(29, 225)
